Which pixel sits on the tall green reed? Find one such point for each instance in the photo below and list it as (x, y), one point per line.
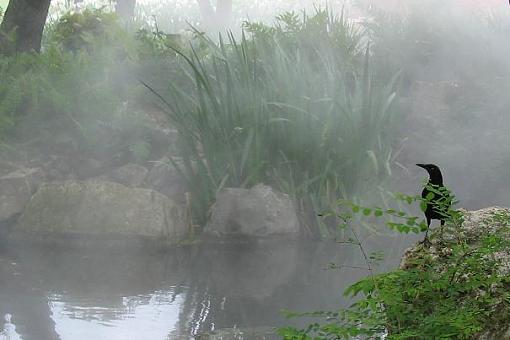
(296, 106)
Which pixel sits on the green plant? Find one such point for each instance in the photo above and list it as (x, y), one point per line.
(76, 102)
(86, 30)
(157, 43)
(307, 116)
(79, 92)
(451, 296)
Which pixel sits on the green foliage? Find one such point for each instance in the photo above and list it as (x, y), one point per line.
(306, 115)
(77, 101)
(452, 296)
(295, 31)
(157, 43)
(401, 220)
(80, 94)
(86, 30)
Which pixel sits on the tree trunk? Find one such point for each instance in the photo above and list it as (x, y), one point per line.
(224, 12)
(207, 13)
(125, 9)
(218, 19)
(22, 27)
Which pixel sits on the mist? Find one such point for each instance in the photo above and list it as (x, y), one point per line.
(181, 169)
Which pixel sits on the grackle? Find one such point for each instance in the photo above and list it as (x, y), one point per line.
(436, 196)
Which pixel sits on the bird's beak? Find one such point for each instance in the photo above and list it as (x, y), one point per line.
(421, 165)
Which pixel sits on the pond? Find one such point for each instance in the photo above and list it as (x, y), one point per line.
(138, 293)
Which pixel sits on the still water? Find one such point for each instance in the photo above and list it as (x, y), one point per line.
(133, 293)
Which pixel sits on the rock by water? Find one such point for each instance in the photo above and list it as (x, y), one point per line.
(476, 225)
(16, 188)
(259, 211)
(95, 207)
(131, 175)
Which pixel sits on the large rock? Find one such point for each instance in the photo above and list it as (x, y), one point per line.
(102, 208)
(259, 211)
(131, 175)
(476, 226)
(164, 178)
(160, 133)
(16, 188)
(57, 168)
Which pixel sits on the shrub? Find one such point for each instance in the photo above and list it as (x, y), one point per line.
(82, 90)
(157, 44)
(88, 29)
(76, 100)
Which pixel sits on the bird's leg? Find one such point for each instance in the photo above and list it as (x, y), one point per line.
(426, 238)
(441, 232)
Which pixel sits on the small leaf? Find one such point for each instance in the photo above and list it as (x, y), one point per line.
(411, 221)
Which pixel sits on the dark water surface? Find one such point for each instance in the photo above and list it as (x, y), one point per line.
(129, 293)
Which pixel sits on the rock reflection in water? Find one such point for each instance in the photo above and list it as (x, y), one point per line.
(128, 293)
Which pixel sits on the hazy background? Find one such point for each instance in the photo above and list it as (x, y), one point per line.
(451, 108)
(454, 57)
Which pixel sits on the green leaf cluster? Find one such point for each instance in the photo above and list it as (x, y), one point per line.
(87, 29)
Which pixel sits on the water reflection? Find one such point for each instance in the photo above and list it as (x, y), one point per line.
(9, 330)
(141, 317)
(130, 293)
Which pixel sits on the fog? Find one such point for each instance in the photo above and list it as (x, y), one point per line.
(118, 137)
(460, 122)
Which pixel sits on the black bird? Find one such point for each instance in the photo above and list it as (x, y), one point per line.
(439, 204)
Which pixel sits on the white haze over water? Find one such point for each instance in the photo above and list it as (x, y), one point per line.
(147, 317)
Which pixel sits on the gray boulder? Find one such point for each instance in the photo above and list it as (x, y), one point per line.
(57, 168)
(84, 168)
(164, 178)
(7, 167)
(131, 175)
(476, 226)
(96, 207)
(259, 211)
(16, 188)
